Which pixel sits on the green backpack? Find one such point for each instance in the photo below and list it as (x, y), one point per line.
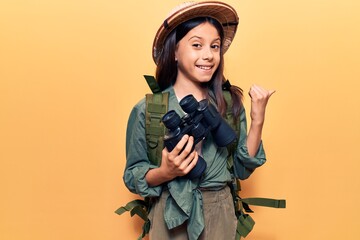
(156, 107)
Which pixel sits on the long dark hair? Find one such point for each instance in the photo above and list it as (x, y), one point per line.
(166, 71)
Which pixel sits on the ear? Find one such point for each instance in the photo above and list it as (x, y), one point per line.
(176, 58)
(176, 52)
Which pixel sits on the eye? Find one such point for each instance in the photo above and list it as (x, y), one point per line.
(215, 46)
(196, 45)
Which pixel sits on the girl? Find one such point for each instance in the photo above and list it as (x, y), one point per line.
(188, 51)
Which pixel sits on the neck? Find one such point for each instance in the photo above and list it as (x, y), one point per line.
(183, 89)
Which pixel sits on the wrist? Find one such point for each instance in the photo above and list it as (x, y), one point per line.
(257, 122)
(157, 176)
(165, 174)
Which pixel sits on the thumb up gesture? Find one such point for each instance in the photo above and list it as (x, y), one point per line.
(259, 99)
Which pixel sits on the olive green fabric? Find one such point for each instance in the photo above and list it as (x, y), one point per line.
(157, 106)
(184, 202)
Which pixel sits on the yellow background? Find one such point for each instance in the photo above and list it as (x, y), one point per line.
(71, 70)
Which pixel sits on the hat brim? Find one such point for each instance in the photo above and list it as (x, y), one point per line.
(223, 13)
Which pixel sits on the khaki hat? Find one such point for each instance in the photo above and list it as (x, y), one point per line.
(222, 12)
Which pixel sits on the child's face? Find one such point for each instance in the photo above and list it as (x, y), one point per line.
(198, 54)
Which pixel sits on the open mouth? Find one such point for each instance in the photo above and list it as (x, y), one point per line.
(204, 67)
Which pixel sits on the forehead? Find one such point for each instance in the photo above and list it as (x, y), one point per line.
(204, 30)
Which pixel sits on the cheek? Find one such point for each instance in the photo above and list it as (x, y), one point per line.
(188, 58)
(191, 55)
(217, 59)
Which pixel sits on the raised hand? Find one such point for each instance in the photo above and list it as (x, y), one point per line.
(259, 99)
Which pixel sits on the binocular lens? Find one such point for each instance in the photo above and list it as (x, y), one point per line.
(189, 104)
(171, 120)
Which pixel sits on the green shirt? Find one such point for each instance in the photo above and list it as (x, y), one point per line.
(185, 200)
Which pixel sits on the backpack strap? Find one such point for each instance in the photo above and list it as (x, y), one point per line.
(140, 208)
(245, 221)
(151, 81)
(235, 125)
(244, 226)
(156, 107)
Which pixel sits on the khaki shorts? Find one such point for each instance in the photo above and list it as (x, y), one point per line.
(219, 217)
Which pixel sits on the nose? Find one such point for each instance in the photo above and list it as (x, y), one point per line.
(208, 54)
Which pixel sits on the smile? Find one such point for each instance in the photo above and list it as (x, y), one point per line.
(204, 67)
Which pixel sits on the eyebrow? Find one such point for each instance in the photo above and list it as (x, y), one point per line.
(202, 38)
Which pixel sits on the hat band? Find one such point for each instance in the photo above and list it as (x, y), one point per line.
(227, 24)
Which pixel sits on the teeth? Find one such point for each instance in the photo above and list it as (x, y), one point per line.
(204, 67)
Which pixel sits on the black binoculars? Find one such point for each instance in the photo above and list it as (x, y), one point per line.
(201, 118)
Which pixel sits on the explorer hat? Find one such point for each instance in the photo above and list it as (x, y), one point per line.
(222, 12)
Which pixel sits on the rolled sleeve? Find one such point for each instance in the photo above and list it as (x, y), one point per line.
(244, 163)
(137, 161)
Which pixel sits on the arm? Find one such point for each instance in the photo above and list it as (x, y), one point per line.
(143, 177)
(137, 161)
(250, 153)
(259, 98)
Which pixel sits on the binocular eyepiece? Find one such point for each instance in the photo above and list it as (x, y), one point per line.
(201, 118)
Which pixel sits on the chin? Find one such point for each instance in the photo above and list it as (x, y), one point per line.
(205, 79)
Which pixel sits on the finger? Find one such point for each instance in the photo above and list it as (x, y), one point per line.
(188, 148)
(252, 91)
(188, 161)
(164, 153)
(256, 92)
(262, 91)
(192, 163)
(259, 90)
(271, 92)
(180, 145)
